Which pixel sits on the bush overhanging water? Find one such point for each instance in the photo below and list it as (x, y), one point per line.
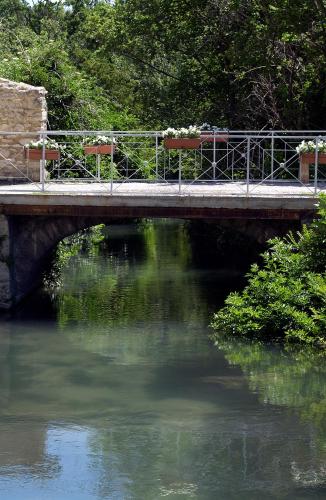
(285, 297)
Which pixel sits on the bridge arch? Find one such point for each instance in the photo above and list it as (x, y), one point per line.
(27, 242)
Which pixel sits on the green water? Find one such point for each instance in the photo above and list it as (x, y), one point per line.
(110, 389)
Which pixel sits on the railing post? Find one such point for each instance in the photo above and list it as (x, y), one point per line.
(214, 156)
(156, 156)
(42, 164)
(272, 157)
(111, 165)
(248, 163)
(180, 164)
(316, 164)
(98, 166)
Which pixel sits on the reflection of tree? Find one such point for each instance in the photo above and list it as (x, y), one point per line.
(295, 379)
(166, 414)
(226, 456)
(114, 289)
(167, 432)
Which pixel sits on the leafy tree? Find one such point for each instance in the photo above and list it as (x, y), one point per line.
(74, 99)
(238, 63)
(174, 62)
(14, 12)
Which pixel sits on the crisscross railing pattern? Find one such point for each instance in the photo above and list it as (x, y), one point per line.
(248, 159)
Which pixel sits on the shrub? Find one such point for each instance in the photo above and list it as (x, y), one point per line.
(286, 297)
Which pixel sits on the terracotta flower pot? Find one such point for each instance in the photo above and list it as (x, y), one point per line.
(103, 149)
(184, 143)
(310, 158)
(307, 159)
(37, 154)
(219, 137)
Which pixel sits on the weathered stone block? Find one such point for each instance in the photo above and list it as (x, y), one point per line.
(23, 109)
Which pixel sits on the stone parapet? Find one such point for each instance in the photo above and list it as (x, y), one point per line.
(23, 109)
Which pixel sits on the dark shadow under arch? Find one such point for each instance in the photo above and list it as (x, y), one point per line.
(32, 240)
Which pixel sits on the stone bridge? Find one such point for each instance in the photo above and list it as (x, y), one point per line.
(253, 182)
(33, 222)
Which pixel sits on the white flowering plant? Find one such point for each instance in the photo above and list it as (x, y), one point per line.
(206, 127)
(192, 132)
(48, 143)
(99, 140)
(310, 147)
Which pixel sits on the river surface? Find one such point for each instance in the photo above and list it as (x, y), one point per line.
(110, 388)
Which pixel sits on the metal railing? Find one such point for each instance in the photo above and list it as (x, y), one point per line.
(248, 159)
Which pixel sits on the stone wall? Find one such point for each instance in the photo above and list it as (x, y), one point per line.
(23, 109)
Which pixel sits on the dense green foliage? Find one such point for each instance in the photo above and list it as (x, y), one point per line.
(286, 297)
(131, 63)
(35, 49)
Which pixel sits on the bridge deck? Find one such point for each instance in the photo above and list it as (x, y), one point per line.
(142, 199)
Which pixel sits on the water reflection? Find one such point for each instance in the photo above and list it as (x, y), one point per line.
(122, 396)
(294, 378)
(118, 289)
